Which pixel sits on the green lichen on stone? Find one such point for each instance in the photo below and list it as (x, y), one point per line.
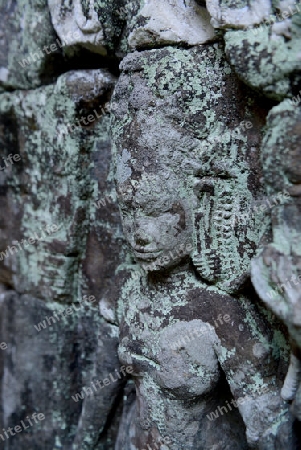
(58, 164)
(183, 93)
(262, 62)
(30, 25)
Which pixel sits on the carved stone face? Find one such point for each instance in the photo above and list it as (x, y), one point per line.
(157, 221)
(181, 123)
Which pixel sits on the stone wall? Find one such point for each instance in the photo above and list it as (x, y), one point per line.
(150, 225)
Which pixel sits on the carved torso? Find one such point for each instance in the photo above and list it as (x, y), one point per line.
(170, 334)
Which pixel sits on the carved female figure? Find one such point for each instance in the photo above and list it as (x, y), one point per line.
(168, 335)
(170, 190)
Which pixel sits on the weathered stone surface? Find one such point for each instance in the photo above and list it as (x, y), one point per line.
(55, 150)
(238, 14)
(165, 22)
(276, 270)
(78, 22)
(43, 370)
(169, 335)
(266, 61)
(63, 152)
(175, 172)
(148, 333)
(266, 57)
(26, 59)
(97, 25)
(200, 140)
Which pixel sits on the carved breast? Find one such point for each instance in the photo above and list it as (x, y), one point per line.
(155, 342)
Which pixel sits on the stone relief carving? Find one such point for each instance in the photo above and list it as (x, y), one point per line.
(211, 364)
(173, 178)
(276, 270)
